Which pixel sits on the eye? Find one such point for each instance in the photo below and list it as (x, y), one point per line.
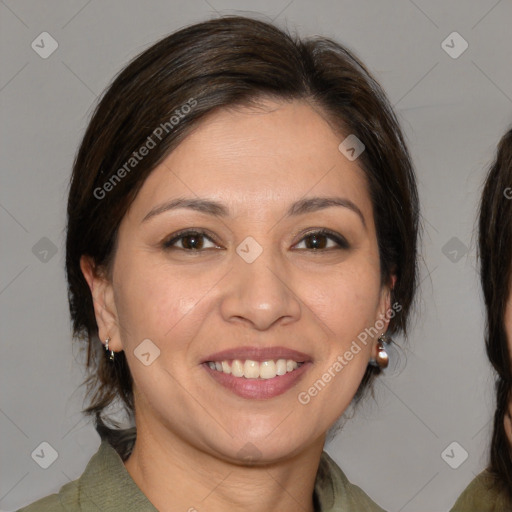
(190, 240)
(319, 240)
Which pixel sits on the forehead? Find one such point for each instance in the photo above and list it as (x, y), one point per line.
(249, 156)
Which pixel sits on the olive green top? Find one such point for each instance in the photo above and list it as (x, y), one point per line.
(106, 486)
(483, 495)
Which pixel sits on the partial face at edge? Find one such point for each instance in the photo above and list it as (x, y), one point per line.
(212, 291)
(508, 330)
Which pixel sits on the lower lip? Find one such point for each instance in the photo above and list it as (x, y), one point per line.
(258, 389)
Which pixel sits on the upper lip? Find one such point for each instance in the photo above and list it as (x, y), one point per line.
(258, 354)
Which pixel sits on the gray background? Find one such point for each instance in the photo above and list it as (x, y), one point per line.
(453, 112)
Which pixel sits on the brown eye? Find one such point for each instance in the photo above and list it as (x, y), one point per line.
(189, 241)
(192, 242)
(319, 240)
(316, 241)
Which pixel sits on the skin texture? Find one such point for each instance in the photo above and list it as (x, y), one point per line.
(508, 328)
(257, 162)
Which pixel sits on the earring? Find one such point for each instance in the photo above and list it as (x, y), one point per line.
(382, 358)
(111, 357)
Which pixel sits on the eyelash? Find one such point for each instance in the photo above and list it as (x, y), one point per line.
(168, 244)
(338, 239)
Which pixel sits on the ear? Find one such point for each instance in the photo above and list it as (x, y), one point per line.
(384, 310)
(103, 301)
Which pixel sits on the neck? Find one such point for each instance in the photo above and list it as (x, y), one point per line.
(175, 475)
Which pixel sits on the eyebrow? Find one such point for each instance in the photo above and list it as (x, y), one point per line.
(300, 207)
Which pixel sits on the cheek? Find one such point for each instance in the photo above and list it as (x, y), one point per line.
(508, 425)
(152, 301)
(508, 327)
(346, 301)
(345, 305)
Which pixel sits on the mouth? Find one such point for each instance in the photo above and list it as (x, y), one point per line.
(257, 373)
(250, 369)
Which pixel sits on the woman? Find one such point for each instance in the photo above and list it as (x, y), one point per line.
(242, 225)
(491, 490)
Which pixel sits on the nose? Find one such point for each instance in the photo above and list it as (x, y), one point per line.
(260, 293)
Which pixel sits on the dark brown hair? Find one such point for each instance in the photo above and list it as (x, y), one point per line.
(495, 252)
(226, 62)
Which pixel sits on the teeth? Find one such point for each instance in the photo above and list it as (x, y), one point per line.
(225, 367)
(281, 367)
(268, 370)
(237, 368)
(253, 369)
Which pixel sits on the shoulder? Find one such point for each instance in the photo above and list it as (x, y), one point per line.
(335, 492)
(104, 485)
(483, 494)
(66, 500)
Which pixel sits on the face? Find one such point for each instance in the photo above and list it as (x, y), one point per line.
(508, 329)
(239, 309)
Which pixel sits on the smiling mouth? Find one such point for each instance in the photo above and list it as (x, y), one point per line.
(250, 369)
